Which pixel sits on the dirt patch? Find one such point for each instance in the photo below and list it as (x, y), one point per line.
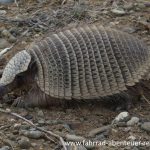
(32, 20)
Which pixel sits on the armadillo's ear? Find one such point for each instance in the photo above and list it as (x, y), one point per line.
(19, 63)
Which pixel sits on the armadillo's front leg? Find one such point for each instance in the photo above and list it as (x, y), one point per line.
(19, 102)
(25, 101)
(34, 98)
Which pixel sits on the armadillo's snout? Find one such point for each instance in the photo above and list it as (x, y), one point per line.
(19, 63)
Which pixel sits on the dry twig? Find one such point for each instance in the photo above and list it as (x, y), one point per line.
(4, 51)
(38, 128)
(144, 98)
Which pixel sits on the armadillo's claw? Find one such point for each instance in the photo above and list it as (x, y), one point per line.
(19, 102)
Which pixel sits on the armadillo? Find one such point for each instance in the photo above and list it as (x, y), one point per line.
(83, 63)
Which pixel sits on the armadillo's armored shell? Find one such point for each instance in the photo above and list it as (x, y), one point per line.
(19, 63)
(89, 62)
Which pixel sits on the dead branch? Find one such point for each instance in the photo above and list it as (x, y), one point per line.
(144, 98)
(33, 125)
(4, 51)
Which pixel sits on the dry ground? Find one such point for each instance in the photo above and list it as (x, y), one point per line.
(34, 19)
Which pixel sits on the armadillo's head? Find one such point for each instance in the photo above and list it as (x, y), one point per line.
(18, 64)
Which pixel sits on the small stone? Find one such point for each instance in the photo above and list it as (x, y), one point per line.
(33, 134)
(12, 39)
(5, 148)
(118, 11)
(135, 148)
(146, 126)
(11, 136)
(132, 138)
(133, 121)
(3, 43)
(33, 144)
(122, 117)
(6, 33)
(24, 143)
(127, 129)
(141, 6)
(121, 124)
(17, 126)
(99, 137)
(76, 147)
(41, 122)
(96, 131)
(114, 131)
(2, 12)
(40, 113)
(24, 127)
(128, 6)
(6, 1)
(74, 138)
(147, 4)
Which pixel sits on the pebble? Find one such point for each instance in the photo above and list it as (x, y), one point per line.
(2, 12)
(70, 137)
(17, 126)
(12, 39)
(127, 129)
(132, 138)
(5, 148)
(122, 117)
(33, 134)
(118, 11)
(6, 1)
(128, 6)
(133, 121)
(147, 4)
(24, 143)
(141, 6)
(76, 147)
(121, 124)
(40, 113)
(146, 126)
(11, 136)
(8, 35)
(3, 43)
(135, 148)
(41, 122)
(33, 144)
(99, 137)
(96, 131)
(24, 127)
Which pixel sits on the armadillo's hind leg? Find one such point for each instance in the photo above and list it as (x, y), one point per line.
(121, 101)
(125, 102)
